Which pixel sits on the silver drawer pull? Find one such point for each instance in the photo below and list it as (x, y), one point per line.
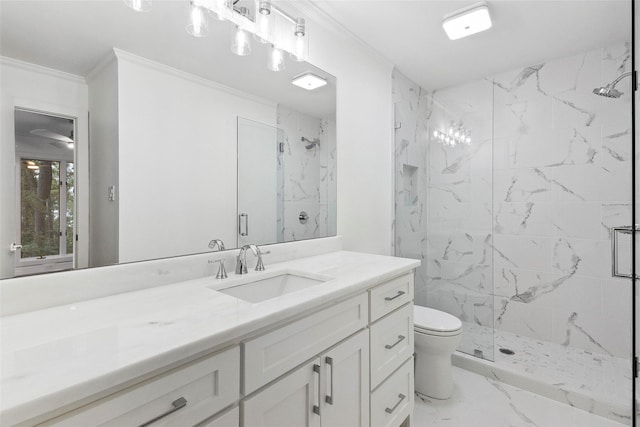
(390, 410)
(390, 346)
(399, 294)
(316, 370)
(177, 405)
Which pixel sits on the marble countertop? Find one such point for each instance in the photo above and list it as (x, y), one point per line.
(61, 356)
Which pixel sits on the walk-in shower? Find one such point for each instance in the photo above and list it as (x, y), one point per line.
(514, 230)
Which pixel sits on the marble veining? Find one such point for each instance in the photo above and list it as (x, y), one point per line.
(308, 175)
(482, 401)
(591, 381)
(542, 184)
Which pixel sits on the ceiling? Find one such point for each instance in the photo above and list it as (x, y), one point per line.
(75, 36)
(524, 32)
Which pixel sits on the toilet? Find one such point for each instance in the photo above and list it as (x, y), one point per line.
(437, 335)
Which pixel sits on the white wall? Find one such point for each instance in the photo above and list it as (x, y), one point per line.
(103, 104)
(170, 120)
(22, 84)
(364, 131)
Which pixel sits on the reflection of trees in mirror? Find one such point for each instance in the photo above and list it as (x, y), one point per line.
(40, 217)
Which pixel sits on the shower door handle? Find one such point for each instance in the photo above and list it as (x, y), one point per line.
(616, 232)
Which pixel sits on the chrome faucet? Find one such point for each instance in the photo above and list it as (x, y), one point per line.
(217, 245)
(241, 262)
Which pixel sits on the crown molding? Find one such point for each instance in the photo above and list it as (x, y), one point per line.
(130, 57)
(35, 68)
(321, 15)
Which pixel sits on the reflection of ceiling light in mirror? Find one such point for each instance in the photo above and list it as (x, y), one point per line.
(198, 24)
(309, 81)
(139, 5)
(51, 135)
(466, 21)
(241, 44)
(276, 59)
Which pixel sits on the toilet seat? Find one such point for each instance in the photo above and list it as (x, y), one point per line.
(434, 322)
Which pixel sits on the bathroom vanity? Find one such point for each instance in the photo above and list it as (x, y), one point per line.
(337, 351)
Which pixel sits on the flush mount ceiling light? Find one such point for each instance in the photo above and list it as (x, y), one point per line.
(466, 21)
(309, 81)
(268, 23)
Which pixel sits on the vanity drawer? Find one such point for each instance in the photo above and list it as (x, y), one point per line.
(230, 418)
(208, 386)
(393, 401)
(271, 355)
(391, 343)
(390, 295)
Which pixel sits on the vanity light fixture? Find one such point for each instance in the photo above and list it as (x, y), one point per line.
(268, 23)
(276, 59)
(139, 5)
(198, 24)
(309, 81)
(466, 21)
(264, 21)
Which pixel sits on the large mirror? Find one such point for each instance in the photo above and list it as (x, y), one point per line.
(126, 139)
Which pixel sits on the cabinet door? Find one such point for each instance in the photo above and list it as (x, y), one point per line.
(291, 401)
(345, 383)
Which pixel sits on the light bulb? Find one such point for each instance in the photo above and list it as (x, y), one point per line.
(264, 27)
(198, 25)
(276, 59)
(139, 5)
(435, 133)
(241, 44)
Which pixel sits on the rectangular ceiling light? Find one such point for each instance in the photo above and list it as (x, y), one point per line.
(309, 81)
(466, 21)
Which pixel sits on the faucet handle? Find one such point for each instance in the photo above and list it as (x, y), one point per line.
(222, 271)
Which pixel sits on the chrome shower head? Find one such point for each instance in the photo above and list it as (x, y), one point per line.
(310, 144)
(610, 91)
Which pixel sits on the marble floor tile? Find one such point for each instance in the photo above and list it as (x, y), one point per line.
(479, 401)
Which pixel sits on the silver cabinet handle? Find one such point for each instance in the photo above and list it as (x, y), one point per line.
(390, 410)
(246, 224)
(399, 294)
(329, 398)
(390, 346)
(177, 405)
(614, 249)
(316, 370)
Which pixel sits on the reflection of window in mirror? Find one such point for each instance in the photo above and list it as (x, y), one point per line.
(45, 188)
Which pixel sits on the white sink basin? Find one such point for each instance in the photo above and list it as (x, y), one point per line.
(266, 288)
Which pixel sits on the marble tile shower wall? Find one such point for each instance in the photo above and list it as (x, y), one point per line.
(514, 230)
(308, 179)
(562, 160)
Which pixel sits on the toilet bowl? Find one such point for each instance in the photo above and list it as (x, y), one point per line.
(437, 335)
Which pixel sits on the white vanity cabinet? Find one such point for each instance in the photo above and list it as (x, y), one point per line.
(328, 391)
(349, 363)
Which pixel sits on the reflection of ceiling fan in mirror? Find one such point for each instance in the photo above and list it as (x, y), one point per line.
(59, 140)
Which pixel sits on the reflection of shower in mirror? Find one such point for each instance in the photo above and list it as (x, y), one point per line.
(310, 143)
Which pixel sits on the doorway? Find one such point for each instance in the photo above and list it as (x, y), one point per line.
(46, 192)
